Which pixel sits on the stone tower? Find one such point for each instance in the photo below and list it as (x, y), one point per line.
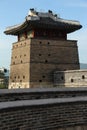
(42, 48)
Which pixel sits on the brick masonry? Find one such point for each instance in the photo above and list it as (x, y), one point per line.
(43, 109)
(44, 114)
(34, 61)
(41, 93)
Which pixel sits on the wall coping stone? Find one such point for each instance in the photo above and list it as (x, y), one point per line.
(27, 103)
(69, 71)
(42, 90)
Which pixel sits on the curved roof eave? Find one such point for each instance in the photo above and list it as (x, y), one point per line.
(44, 22)
(13, 29)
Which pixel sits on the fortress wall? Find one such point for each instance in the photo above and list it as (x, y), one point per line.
(48, 114)
(41, 93)
(70, 78)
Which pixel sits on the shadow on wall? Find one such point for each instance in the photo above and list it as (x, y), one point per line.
(59, 79)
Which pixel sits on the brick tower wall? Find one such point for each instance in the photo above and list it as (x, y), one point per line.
(46, 56)
(34, 61)
(20, 67)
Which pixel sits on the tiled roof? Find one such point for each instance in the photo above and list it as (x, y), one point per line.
(44, 20)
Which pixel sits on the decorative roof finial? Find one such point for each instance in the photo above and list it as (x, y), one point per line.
(49, 11)
(32, 12)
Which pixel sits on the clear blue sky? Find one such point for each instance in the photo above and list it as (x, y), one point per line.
(14, 12)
